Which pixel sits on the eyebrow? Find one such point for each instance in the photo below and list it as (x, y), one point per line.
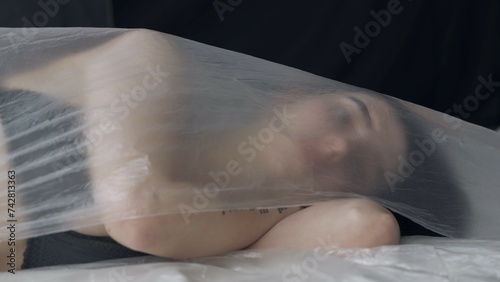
(364, 110)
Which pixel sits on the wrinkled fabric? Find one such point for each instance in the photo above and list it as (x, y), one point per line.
(418, 259)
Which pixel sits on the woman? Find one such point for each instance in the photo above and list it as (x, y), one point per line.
(129, 154)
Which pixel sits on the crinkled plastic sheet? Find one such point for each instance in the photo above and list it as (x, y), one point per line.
(423, 259)
(103, 125)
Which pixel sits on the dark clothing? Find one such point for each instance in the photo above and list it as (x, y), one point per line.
(40, 117)
(72, 248)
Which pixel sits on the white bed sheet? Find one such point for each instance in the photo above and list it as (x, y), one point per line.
(418, 259)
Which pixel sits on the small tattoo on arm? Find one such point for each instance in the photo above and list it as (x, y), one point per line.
(261, 211)
(281, 210)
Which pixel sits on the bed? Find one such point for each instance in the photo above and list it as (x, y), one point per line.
(419, 258)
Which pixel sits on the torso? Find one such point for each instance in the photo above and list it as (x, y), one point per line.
(231, 230)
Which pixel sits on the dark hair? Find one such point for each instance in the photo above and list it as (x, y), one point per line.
(431, 188)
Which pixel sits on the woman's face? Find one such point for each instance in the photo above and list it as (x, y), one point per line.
(346, 140)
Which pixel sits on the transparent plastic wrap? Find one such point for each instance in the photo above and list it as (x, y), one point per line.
(102, 125)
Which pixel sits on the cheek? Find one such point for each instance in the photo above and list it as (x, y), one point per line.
(356, 170)
(322, 150)
(390, 146)
(311, 119)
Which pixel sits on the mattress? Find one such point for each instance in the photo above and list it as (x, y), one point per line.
(417, 259)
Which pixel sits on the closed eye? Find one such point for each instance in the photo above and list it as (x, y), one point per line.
(364, 110)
